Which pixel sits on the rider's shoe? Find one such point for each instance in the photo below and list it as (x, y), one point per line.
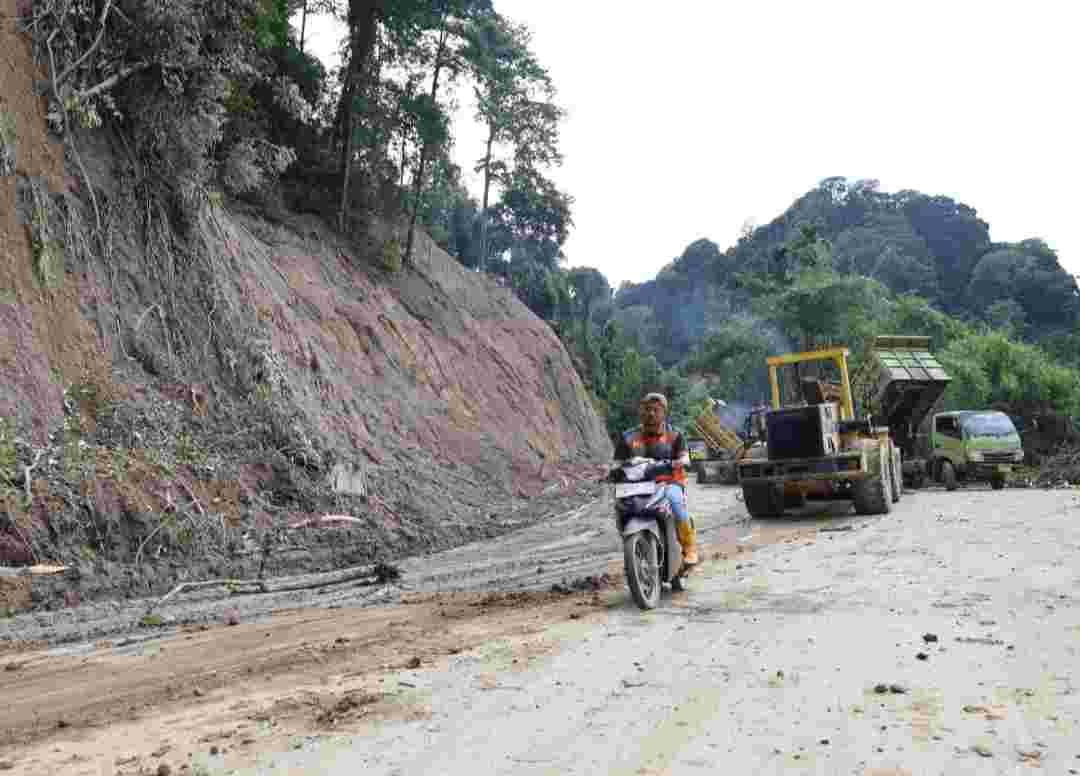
(688, 540)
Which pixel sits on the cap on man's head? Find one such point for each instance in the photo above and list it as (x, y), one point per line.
(650, 397)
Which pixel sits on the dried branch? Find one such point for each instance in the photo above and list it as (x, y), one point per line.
(112, 80)
(369, 574)
(151, 535)
(191, 495)
(57, 80)
(30, 468)
(93, 196)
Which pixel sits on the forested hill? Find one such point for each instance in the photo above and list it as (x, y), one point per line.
(844, 263)
(909, 242)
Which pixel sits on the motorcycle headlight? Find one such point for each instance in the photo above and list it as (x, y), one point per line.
(976, 456)
(1018, 455)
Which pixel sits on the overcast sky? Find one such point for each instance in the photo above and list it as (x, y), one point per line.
(688, 118)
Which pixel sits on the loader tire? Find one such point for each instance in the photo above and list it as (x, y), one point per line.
(763, 499)
(873, 496)
(948, 475)
(896, 470)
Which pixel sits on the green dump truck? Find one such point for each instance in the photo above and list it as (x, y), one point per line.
(948, 447)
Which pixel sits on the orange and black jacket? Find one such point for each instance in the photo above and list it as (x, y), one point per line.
(668, 445)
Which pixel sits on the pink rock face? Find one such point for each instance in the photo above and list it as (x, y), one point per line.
(438, 359)
(27, 388)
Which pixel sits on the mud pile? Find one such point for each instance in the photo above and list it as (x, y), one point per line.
(1060, 469)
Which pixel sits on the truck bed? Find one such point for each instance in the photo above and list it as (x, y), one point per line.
(910, 382)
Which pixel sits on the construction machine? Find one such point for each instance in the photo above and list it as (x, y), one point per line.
(952, 447)
(816, 447)
(721, 447)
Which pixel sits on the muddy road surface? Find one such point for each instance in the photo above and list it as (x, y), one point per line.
(942, 638)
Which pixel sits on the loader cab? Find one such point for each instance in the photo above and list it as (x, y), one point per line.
(812, 378)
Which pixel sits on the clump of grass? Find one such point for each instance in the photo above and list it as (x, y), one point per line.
(8, 464)
(48, 251)
(390, 258)
(188, 450)
(7, 144)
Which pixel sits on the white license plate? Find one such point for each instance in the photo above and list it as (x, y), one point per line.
(627, 489)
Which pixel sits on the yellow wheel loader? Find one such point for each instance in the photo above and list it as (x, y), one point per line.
(814, 445)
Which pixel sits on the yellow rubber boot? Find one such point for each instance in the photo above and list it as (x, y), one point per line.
(688, 540)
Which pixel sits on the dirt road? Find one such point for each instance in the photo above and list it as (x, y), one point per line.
(942, 638)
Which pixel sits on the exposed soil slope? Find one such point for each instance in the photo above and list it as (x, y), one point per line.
(190, 393)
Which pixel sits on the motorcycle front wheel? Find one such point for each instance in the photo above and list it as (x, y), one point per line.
(640, 557)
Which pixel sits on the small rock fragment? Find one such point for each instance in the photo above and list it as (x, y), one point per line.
(922, 656)
(214, 750)
(198, 692)
(164, 770)
(414, 662)
(929, 638)
(982, 750)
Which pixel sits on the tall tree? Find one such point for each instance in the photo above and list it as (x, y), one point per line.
(362, 18)
(515, 102)
(589, 288)
(532, 218)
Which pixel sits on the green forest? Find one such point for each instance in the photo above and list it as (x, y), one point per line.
(224, 101)
(844, 263)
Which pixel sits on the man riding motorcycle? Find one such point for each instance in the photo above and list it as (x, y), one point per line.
(656, 439)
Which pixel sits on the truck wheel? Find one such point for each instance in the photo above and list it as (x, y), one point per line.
(997, 482)
(641, 561)
(873, 496)
(948, 475)
(897, 477)
(763, 499)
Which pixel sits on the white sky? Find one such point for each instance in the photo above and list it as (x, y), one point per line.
(687, 118)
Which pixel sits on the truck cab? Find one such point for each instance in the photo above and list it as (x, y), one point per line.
(974, 445)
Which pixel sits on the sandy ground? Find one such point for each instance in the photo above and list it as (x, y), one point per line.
(940, 639)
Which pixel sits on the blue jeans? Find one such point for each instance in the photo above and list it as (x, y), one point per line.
(676, 498)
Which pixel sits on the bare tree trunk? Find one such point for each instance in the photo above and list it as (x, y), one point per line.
(484, 203)
(303, 25)
(418, 182)
(362, 17)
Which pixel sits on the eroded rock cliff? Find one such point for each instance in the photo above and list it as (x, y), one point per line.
(185, 396)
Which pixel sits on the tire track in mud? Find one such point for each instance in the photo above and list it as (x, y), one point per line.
(562, 550)
(221, 678)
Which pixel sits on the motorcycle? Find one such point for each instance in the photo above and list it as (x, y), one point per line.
(652, 555)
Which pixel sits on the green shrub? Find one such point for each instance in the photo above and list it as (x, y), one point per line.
(7, 144)
(390, 258)
(8, 464)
